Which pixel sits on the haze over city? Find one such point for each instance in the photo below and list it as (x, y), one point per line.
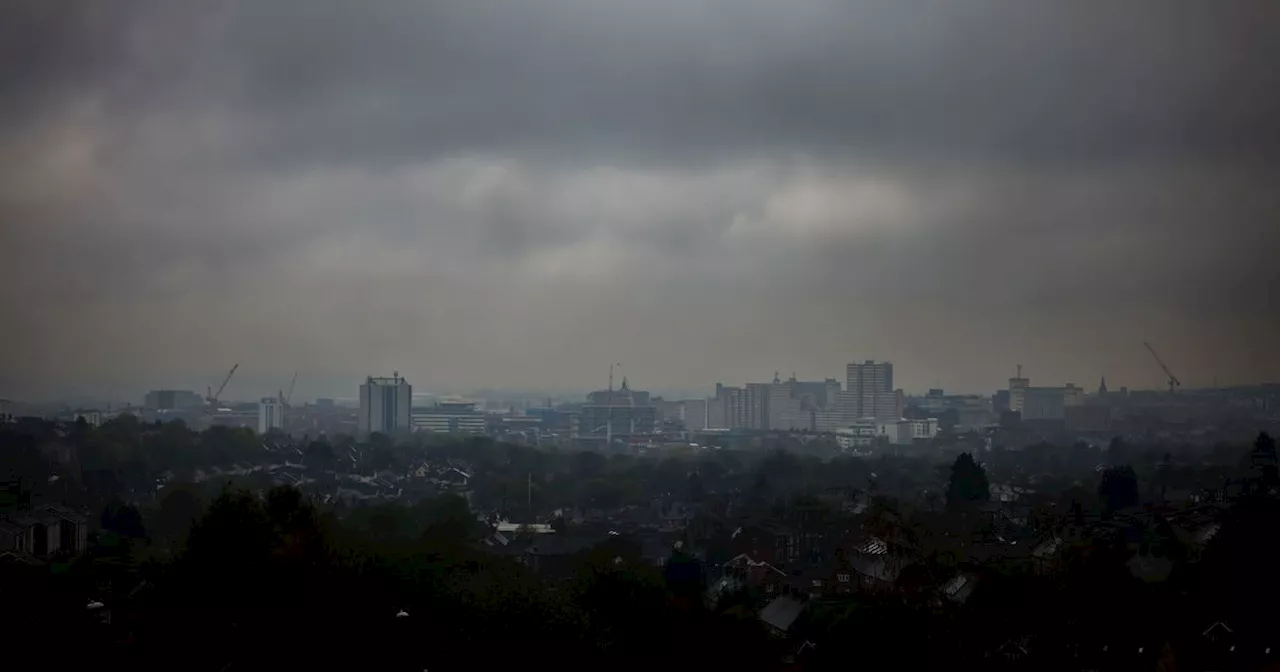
(516, 194)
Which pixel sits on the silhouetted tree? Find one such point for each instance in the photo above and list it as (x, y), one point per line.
(124, 520)
(1118, 488)
(1263, 463)
(968, 484)
(179, 508)
(697, 491)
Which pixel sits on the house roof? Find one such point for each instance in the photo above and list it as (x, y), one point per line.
(1047, 548)
(66, 513)
(878, 567)
(743, 560)
(960, 587)
(1218, 628)
(873, 546)
(16, 557)
(782, 612)
(1014, 648)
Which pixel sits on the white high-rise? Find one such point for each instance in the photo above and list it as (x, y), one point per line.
(270, 415)
(385, 406)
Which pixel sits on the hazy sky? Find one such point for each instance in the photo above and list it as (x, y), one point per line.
(515, 194)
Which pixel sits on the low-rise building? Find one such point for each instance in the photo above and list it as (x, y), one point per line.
(450, 417)
(861, 434)
(92, 418)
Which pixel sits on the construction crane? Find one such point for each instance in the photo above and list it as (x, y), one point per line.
(1174, 383)
(212, 398)
(284, 398)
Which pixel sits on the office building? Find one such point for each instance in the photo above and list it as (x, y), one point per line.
(1095, 418)
(894, 432)
(695, 414)
(1017, 390)
(91, 418)
(270, 415)
(740, 407)
(861, 434)
(690, 414)
(840, 414)
(172, 400)
(385, 406)
(551, 419)
(787, 409)
(872, 383)
(615, 414)
(1042, 403)
(449, 417)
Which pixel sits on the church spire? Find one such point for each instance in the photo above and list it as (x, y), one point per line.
(1102, 387)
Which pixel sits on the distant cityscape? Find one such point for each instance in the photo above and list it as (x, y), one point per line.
(865, 408)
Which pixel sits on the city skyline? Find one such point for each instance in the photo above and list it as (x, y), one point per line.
(347, 391)
(516, 194)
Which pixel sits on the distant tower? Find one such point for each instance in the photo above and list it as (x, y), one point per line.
(1102, 386)
(1017, 390)
(270, 414)
(385, 405)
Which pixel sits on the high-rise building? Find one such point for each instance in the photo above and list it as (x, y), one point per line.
(385, 406)
(872, 383)
(784, 409)
(1017, 391)
(840, 414)
(740, 407)
(270, 415)
(792, 403)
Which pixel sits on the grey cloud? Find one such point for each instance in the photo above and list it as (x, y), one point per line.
(497, 193)
(390, 80)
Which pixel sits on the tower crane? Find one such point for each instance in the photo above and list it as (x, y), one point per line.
(1174, 383)
(284, 398)
(213, 398)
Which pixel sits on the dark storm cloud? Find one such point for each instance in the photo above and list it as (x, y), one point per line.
(536, 186)
(1045, 81)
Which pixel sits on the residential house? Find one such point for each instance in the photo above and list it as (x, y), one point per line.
(875, 567)
(766, 541)
(48, 531)
(744, 573)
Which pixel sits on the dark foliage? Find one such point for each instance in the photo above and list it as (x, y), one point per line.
(240, 577)
(968, 485)
(1119, 488)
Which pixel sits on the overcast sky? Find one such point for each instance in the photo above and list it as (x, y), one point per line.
(515, 194)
